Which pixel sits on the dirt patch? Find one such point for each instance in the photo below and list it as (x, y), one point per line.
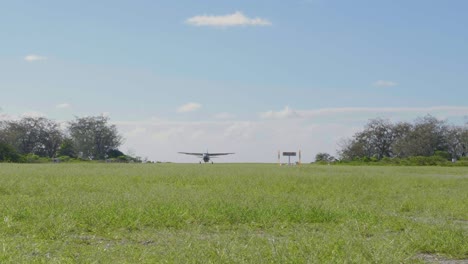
(432, 258)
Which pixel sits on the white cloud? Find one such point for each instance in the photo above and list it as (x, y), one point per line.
(235, 19)
(382, 83)
(33, 58)
(189, 107)
(63, 105)
(283, 114)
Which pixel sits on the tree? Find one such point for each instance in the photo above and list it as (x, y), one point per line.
(376, 140)
(355, 148)
(93, 137)
(454, 140)
(426, 136)
(50, 138)
(325, 157)
(114, 153)
(379, 134)
(22, 134)
(401, 132)
(464, 140)
(8, 153)
(67, 148)
(32, 135)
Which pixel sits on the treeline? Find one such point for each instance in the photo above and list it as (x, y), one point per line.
(38, 139)
(426, 141)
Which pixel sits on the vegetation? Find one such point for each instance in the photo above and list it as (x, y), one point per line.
(324, 157)
(38, 139)
(8, 153)
(251, 213)
(410, 161)
(93, 137)
(426, 137)
(32, 135)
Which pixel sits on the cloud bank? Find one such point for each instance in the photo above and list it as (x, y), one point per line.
(395, 111)
(231, 20)
(259, 139)
(367, 112)
(282, 114)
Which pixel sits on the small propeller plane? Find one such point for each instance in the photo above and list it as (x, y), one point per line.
(206, 156)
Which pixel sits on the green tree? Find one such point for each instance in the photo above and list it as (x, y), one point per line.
(32, 135)
(426, 136)
(114, 153)
(324, 157)
(67, 148)
(464, 140)
(375, 141)
(8, 153)
(93, 137)
(379, 134)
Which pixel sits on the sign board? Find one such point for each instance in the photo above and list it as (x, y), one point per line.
(289, 154)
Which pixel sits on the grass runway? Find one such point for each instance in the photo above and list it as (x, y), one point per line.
(231, 213)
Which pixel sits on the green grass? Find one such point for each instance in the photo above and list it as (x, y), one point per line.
(231, 213)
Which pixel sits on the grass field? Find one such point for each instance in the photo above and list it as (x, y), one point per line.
(231, 213)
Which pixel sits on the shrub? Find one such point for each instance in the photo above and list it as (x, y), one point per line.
(432, 160)
(33, 158)
(67, 149)
(114, 153)
(8, 153)
(443, 154)
(324, 157)
(122, 158)
(64, 158)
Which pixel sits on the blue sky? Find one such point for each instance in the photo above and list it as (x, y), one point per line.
(244, 76)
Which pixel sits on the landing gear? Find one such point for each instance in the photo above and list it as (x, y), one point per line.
(211, 162)
(200, 162)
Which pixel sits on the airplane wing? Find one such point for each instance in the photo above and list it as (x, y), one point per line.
(219, 154)
(191, 153)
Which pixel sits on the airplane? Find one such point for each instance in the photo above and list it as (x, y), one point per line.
(206, 156)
